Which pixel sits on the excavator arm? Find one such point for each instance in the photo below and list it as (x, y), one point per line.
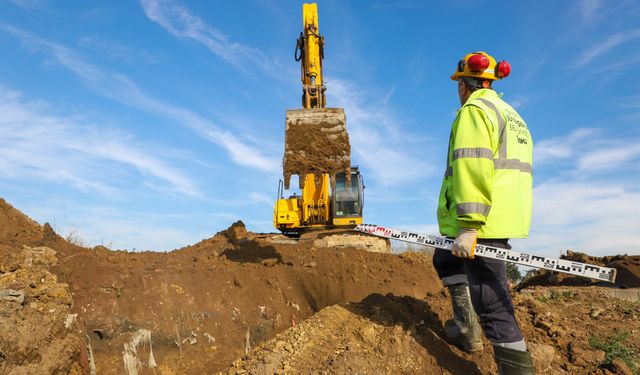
(310, 52)
(316, 138)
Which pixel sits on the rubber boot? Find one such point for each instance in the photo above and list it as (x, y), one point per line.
(463, 330)
(513, 362)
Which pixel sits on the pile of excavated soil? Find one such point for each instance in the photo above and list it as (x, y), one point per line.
(241, 302)
(204, 304)
(16, 227)
(223, 294)
(403, 335)
(39, 333)
(316, 142)
(379, 335)
(627, 266)
(561, 322)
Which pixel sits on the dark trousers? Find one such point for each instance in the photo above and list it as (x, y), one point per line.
(487, 280)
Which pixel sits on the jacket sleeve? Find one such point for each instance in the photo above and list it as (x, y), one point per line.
(472, 162)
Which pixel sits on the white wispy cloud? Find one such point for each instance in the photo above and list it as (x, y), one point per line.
(610, 158)
(589, 10)
(596, 217)
(610, 72)
(37, 143)
(563, 147)
(378, 142)
(371, 127)
(178, 21)
(609, 43)
(96, 224)
(580, 207)
(122, 89)
(116, 50)
(588, 151)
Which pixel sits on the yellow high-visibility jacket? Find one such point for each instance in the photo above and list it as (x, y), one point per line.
(488, 179)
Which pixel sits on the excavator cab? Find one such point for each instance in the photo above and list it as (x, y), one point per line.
(347, 199)
(319, 206)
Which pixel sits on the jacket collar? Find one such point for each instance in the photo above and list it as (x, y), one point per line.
(481, 93)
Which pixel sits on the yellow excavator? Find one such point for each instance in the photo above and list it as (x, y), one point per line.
(317, 149)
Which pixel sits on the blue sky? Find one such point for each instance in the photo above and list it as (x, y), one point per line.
(154, 124)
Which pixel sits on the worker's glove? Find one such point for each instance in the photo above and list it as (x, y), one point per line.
(465, 244)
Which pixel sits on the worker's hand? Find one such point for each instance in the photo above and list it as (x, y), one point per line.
(465, 244)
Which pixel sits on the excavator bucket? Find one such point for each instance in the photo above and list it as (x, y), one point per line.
(316, 142)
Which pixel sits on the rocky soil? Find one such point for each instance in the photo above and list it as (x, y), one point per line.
(241, 302)
(39, 331)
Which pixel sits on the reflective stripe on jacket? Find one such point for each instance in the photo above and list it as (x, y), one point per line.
(488, 179)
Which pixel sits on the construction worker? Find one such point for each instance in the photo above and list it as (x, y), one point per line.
(485, 198)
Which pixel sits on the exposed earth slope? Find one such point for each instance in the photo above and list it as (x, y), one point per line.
(241, 302)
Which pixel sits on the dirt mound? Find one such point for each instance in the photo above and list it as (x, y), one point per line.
(205, 303)
(566, 324)
(16, 227)
(627, 266)
(379, 335)
(403, 335)
(628, 274)
(39, 333)
(303, 308)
